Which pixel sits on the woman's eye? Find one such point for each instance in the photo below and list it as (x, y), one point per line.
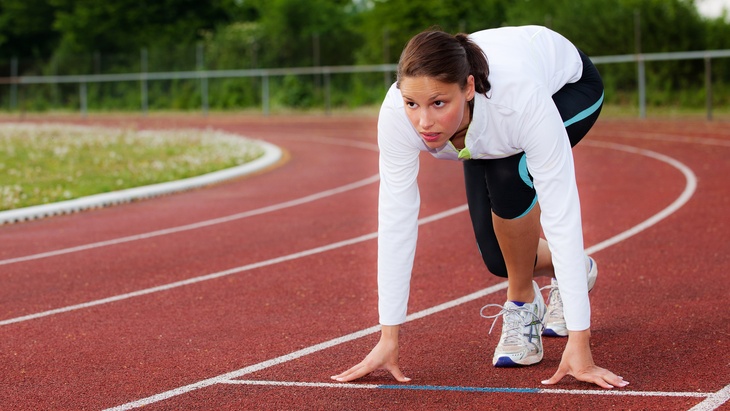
(410, 104)
(438, 103)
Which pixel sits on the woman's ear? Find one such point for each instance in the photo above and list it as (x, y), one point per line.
(470, 88)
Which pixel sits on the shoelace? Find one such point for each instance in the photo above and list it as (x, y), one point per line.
(555, 302)
(513, 324)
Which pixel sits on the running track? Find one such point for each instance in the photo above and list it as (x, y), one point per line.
(257, 310)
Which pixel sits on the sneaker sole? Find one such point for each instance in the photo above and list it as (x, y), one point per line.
(554, 332)
(507, 362)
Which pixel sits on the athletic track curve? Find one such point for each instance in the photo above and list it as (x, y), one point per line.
(249, 294)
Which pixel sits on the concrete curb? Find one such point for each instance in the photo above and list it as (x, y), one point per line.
(272, 154)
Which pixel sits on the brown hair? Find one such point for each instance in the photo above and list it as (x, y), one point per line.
(447, 58)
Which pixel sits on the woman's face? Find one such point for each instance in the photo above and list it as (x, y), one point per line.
(437, 110)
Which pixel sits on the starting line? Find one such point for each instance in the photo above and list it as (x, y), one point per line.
(467, 389)
(711, 402)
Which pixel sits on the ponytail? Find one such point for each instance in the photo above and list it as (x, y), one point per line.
(478, 65)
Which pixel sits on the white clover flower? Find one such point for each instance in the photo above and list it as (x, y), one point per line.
(122, 158)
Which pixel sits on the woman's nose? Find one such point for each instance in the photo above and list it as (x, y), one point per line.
(424, 119)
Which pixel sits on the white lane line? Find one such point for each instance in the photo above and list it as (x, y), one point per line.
(714, 401)
(331, 343)
(411, 387)
(224, 273)
(201, 224)
(190, 281)
(222, 379)
(689, 190)
(220, 220)
(302, 384)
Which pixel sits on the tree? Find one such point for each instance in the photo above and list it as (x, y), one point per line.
(26, 28)
(128, 25)
(387, 25)
(295, 32)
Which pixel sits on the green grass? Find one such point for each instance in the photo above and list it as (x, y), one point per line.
(42, 164)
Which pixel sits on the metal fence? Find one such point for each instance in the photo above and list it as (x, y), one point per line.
(203, 76)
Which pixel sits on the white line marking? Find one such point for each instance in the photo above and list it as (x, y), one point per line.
(221, 220)
(714, 401)
(221, 379)
(627, 393)
(223, 273)
(302, 384)
(689, 189)
(201, 224)
(691, 182)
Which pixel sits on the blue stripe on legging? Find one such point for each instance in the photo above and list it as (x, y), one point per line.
(585, 113)
(524, 174)
(523, 163)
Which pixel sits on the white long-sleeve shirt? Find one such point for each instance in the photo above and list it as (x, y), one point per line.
(527, 66)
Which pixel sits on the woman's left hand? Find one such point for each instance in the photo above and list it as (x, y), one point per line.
(578, 362)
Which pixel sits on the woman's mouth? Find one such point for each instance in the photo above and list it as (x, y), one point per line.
(430, 137)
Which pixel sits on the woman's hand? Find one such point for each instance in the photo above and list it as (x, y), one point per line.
(384, 356)
(578, 362)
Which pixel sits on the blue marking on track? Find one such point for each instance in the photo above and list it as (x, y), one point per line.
(461, 389)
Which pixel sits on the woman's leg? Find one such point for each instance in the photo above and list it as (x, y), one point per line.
(519, 238)
(544, 266)
(520, 206)
(480, 211)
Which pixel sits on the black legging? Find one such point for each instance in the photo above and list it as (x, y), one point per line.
(504, 186)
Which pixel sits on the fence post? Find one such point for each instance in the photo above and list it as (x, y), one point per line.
(200, 64)
(386, 58)
(316, 59)
(82, 98)
(265, 94)
(327, 92)
(642, 86)
(641, 70)
(708, 87)
(14, 84)
(143, 81)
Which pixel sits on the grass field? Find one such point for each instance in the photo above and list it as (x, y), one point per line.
(41, 164)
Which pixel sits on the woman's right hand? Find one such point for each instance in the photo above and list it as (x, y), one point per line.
(383, 357)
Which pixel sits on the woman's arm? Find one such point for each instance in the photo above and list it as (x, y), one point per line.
(550, 161)
(398, 207)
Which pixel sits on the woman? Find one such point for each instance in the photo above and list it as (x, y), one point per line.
(509, 103)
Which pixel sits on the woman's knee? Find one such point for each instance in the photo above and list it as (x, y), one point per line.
(495, 264)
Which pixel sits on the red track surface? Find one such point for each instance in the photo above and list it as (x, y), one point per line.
(659, 313)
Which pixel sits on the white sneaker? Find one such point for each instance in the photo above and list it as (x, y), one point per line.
(521, 340)
(555, 323)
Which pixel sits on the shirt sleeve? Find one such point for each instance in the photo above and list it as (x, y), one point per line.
(398, 207)
(550, 161)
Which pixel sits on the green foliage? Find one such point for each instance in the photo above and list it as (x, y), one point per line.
(128, 25)
(389, 24)
(26, 28)
(305, 33)
(64, 37)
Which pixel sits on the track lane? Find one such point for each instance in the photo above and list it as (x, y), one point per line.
(185, 326)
